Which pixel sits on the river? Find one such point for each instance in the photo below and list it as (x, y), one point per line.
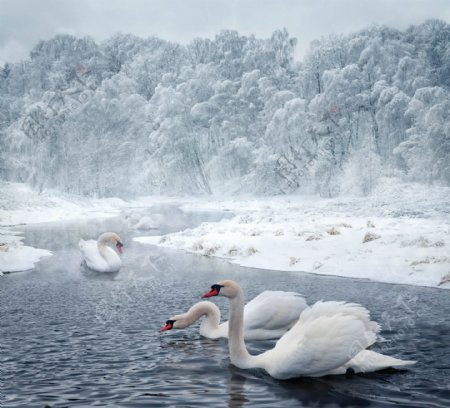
(74, 338)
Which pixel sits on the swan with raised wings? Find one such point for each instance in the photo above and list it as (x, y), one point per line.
(99, 256)
(329, 338)
(268, 316)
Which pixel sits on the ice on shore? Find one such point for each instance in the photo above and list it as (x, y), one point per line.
(399, 236)
(14, 256)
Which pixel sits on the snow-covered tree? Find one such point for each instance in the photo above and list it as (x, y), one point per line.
(230, 114)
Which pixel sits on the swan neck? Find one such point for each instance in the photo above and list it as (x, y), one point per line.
(210, 323)
(207, 309)
(239, 355)
(102, 248)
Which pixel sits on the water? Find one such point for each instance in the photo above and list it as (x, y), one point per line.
(70, 337)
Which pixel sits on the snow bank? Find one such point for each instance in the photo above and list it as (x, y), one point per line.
(398, 235)
(19, 204)
(14, 256)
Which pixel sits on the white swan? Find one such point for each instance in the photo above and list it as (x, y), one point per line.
(99, 256)
(268, 316)
(328, 339)
(145, 223)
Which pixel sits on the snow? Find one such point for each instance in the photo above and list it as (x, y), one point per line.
(14, 256)
(398, 235)
(19, 204)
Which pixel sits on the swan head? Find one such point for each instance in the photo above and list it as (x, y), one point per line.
(177, 322)
(197, 311)
(169, 325)
(119, 246)
(227, 288)
(113, 238)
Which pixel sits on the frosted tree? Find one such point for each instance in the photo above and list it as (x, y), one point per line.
(426, 151)
(233, 113)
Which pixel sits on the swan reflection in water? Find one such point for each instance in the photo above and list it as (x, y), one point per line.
(328, 391)
(236, 394)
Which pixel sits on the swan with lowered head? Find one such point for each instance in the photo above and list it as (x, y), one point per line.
(329, 338)
(268, 316)
(99, 256)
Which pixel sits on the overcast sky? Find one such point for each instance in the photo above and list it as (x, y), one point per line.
(24, 22)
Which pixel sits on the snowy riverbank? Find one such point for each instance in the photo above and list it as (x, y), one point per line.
(400, 234)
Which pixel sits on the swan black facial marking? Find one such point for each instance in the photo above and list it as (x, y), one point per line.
(168, 326)
(217, 287)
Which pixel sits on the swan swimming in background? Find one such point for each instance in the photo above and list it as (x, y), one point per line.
(99, 256)
(145, 223)
(268, 316)
(329, 338)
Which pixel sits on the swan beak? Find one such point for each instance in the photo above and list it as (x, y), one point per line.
(211, 293)
(168, 326)
(119, 246)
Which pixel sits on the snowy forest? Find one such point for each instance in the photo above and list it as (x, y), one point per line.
(234, 114)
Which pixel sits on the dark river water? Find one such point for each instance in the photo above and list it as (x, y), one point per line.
(72, 338)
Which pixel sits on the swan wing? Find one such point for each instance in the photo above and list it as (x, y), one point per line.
(94, 260)
(320, 341)
(273, 310)
(331, 308)
(270, 314)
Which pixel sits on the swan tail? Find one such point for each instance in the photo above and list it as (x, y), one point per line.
(404, 363)
(368, 361)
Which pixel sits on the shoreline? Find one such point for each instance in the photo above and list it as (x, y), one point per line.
(400, 235)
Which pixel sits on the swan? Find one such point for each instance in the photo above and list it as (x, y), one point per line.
(145, 223)
(328, 338)
(268, 316)
(99, 256)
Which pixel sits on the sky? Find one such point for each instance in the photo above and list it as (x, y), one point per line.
(24, 22)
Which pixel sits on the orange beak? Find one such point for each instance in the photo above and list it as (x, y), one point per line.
(168, 326)
(211, 293)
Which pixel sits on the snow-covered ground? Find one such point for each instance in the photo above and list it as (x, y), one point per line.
(21, 205)
(400, 234)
